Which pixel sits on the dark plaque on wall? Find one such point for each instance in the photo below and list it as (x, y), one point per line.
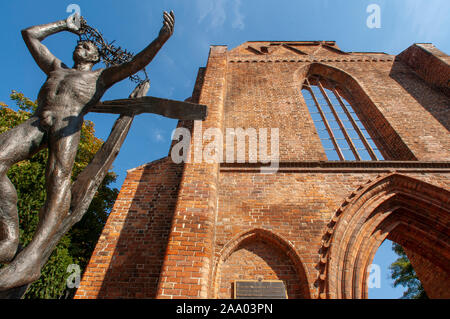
(264, 289)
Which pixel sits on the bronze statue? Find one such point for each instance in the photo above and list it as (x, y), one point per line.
(66, 96)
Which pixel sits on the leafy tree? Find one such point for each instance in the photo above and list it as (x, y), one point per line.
(403, 274)
(28, 177)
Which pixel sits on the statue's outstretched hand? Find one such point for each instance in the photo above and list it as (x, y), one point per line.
(169, 24)
(73, 23)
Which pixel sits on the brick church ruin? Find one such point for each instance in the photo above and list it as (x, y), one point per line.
(364, 156)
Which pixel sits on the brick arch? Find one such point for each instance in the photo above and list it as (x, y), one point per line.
(273, 242)
(408, 211)
(345, 79)
(353, 90)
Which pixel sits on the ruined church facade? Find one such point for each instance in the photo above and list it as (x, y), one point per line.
(363, 156)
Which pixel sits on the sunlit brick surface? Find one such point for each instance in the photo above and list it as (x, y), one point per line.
(189, 231)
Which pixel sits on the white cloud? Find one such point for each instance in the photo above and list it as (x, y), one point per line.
(157, 136)
(415, 22)
(428, 20)
(204, 8)
(238, 21)
(216, 12)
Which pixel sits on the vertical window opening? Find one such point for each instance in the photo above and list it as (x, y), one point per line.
(343, 135)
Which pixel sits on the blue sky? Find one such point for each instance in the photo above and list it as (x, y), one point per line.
(199, 24)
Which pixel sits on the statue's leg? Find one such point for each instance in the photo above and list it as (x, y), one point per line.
(16, 144)
(62, 143)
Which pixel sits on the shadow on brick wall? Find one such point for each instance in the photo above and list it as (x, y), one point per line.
(432, 99)
(139, 253)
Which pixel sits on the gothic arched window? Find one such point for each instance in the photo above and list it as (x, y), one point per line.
(343, 135)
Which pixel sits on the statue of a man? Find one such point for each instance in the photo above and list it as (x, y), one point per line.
(63, 100)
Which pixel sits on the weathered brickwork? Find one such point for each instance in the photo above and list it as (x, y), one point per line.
(430, 64)
(261, 261)
(434, 278)
(191, 230)
(127, 260)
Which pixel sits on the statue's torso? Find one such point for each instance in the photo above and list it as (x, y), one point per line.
(68, 92)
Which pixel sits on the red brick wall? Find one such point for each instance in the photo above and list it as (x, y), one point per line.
(187, 265)
(127, 260)
(409, 115)
(401, 207)
(266, 95)
(434, 279)
(200, 218)
(430, 64)
(257, 260)
(297, 206)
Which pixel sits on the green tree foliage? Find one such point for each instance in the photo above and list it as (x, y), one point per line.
(403, 274)
(28, 177)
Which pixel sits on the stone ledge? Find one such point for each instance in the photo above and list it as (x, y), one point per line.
(296, 59)
(344, 166)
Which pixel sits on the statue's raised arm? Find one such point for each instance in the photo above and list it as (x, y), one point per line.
(117, 73)
(33, 37)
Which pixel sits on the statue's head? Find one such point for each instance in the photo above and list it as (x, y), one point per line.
(92, 48)
(86, 52)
